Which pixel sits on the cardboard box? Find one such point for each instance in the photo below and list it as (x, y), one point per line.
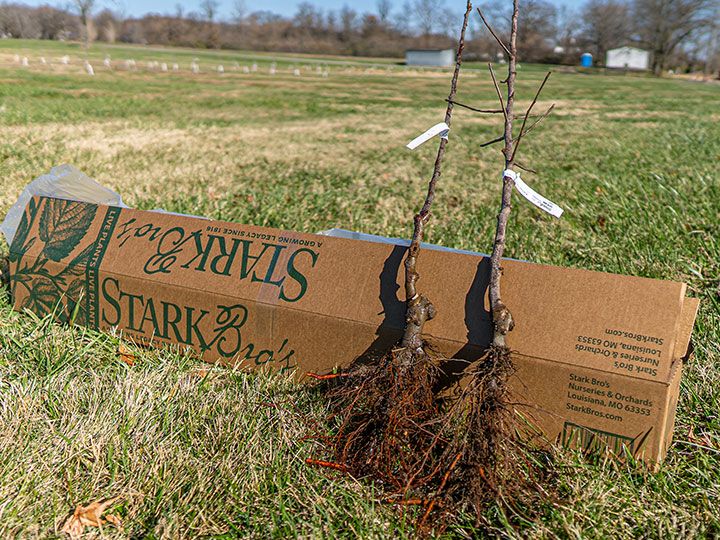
(599, 356)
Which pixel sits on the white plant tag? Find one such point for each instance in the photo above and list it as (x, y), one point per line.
(441, 129)
(533, 196)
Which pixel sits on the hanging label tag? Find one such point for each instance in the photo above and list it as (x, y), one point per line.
(441, 129)
(533, 196)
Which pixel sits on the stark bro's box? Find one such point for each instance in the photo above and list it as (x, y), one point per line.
(598, 355)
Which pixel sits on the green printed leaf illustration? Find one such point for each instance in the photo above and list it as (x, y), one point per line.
(75, 290)
(73, 296)
(62, 225)
(43, 297)
(19, 248)
(84, 255)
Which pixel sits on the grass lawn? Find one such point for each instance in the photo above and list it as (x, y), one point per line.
(203, 451)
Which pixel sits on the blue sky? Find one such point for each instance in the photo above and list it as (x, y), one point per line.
(282, 7)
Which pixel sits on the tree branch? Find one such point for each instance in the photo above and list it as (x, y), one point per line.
(468, 107)
(487, 25)
(497, 90)
(541, 117)
(527, 113)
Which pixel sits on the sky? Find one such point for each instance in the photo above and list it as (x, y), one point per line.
(131, 8)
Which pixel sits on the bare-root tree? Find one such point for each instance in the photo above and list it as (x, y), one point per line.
(393, 426)
(387, 411)
(491, 458)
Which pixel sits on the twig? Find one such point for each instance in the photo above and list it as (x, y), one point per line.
(527, 113)
(440, 488)
(493, 141)
(327, 464)
(528, 130)
(536, 122)
(407, 502)
(419, 308)
(524, 168)
(468, 107)
(499, 94)
(487, 25)
(325, 377)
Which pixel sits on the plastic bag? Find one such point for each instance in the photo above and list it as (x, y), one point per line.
(62, 182)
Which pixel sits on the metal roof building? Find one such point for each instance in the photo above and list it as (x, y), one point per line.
(627, 58)
(430, 57)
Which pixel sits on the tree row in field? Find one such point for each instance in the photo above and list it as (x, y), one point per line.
(679, 33)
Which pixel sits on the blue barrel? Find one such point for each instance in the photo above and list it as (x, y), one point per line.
(586, 60)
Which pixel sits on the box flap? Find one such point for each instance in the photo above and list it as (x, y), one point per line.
(686, 325)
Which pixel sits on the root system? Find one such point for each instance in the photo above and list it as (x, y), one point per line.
(444, 454)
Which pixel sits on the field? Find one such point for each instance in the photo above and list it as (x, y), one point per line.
(191, 448)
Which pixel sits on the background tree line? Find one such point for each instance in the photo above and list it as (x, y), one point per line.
(679, 33)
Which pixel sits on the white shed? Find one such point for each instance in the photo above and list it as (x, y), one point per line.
(627, 58)
(430, 57)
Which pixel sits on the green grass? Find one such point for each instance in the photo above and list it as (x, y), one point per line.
(633, 160)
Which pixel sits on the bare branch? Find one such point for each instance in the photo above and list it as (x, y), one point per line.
(527, 113)
(468, 107)
(487, 25)
(540, 118)
(501, 138)
(497, 89)
(535, 123)
(525, 168)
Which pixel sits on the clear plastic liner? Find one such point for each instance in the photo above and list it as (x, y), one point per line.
(62, 182)
(352, 235)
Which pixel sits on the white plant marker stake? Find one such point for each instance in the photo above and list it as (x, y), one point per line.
(89, 69)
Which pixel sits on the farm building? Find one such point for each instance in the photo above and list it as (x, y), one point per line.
(627, 58)
(430, 57)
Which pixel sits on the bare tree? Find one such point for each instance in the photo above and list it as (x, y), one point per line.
(663, 25)
(348, 22)
(538, 27)
(209, 10)
(107, 24)
(85, 8)
(426, 14)
(712, 46)
(606, 24)
(19, 21)
(239, 12)
(384, 7)
(54, 23)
